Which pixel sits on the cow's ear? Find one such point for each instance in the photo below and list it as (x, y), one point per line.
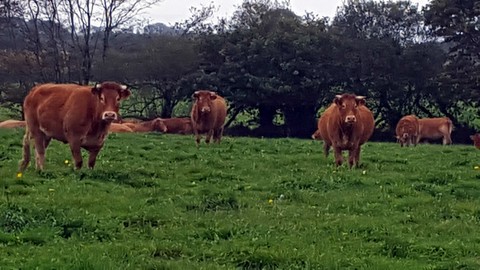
(213, 95)
(195, 95)
(338, 100)
(97, 89)
(124, 92)
(360, 100)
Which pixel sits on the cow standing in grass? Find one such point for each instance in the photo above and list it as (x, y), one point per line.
(345, 125)
(407, 130)
(73, 114)
(435, 128)
(208, 115)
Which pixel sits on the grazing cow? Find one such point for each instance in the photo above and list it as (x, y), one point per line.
(435, 128)
(178, 125)
(119, 128)
(407, 130)
(208, 115)
(476, 140)
(12, 124)
(148, 126)
(345, 125)
(73, 114)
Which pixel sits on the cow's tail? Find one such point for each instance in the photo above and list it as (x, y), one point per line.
(26, 150)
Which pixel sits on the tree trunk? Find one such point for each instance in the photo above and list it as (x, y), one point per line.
(300, 121)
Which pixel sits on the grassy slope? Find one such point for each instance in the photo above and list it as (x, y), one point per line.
(157, 202)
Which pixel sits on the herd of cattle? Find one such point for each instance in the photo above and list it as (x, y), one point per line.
(82, 116)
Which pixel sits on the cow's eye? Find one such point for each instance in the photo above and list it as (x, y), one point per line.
(344, 106)
(118, 98)
(102, 98)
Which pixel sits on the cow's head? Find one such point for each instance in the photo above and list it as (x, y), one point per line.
(403, 138)
(159, 125)
(109, 95)
(203, 99)
(476, 140)
(348, 106)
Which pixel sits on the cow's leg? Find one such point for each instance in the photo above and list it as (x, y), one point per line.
(217, 134)
(92, 157)
(357, 156)
(326, 148)
(351, 157)
(447, 139)
(209, 136)
(197, 136)
(26, 151)
(40, 140)
(75, 147)
(338, 156)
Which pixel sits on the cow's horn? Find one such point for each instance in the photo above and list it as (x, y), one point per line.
(98, 85)
(123, 87)
(338, 96)
(360, 97)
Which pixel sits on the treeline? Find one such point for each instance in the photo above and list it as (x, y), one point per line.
(278, 68)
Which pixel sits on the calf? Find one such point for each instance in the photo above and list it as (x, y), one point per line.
(345, 125)
(208, 115)
(73, 114)
(407, 130)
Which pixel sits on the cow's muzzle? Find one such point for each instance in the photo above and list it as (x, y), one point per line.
(350, 119)
(109, 116)
(205, 110)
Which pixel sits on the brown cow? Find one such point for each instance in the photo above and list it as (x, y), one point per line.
(435, 128)
(476, 140)
(346, 125)
(208, 115)
(12, 124)
(178, 125)
(407, 130)
(73, 114)
(148, 126)
(119, 128)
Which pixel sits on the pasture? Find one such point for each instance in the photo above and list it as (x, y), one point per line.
(157, 202)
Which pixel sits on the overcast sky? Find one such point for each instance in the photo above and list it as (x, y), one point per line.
(171, 11)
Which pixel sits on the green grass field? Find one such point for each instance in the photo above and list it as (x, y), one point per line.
(158, 202)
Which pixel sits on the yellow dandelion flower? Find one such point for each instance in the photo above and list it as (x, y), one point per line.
(476, 167)
(51, 189)
(270, 201)
(66, 161)
(19, 175)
